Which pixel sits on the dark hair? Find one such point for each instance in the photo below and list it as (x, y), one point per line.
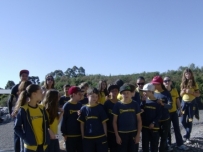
(22, 99)
(84, 84)
(100, 87)
(90, 91)
(119, 82)
(51, 104)
(66, 85)
(45, 83)
(132, 87)
(141, 78)
(185, 82)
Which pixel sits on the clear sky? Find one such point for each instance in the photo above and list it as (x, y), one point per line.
(103, 36)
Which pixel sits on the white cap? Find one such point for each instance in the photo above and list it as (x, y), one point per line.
(148, 87)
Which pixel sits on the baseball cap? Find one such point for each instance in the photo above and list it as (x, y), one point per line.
(111, 87)
(148, 87)
(157, 80)
(74, 89)
(24, 71)
(125, 87)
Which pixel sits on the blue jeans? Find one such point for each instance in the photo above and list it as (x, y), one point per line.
(175, 121)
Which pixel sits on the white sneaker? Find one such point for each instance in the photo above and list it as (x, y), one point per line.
(183, 147)
(188, 141)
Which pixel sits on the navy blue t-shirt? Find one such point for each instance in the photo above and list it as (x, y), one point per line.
(166, 98)
(108, 107)
(127, 119)
(84, 101)
(63, 100)
(151, 114)
(69, 125)
(93, 117)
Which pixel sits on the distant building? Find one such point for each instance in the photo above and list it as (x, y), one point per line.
(5, 91)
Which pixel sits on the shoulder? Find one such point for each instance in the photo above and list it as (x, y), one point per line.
(24, 107)
(14, 88)
(41, 106)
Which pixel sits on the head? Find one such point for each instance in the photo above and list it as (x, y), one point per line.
(187, 79)
(49, 82)
(92, 95)
(140, 82)
(119, 82)
(148, 90)
(84, 85)
(167, 81)
(23, 85)
(157, 81)
(126, 92)
(83, 90)
(102, 85)
(66, 87)
(75, 93)
(51, 104)
(113, 91)
(24, 75)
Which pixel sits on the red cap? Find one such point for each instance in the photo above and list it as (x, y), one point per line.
(24, 71)
(157, 80)
(73, 89)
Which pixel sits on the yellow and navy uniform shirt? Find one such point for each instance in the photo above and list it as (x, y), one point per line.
(151, 114)
(165, 96)
(126, 113)
(36, 117)
(63, 100)
(84, 101)
(174, 95)
(189, 97)
(108, 107)
(93, 118)
(102, 98)
(70, 127)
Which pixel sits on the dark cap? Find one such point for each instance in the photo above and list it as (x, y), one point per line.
(119, 82)
(125, 87)
(157, 80)
(73, 89)
(24, 71)
(111, 87)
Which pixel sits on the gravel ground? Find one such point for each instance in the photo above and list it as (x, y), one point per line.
(6, 137)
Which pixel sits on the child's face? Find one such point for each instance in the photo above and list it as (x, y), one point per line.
(38, 95)
(103, 85)
(167, 82)
(77, 96)
(147, 93)
(187, 75)
(126, 95)
(24, 77)
(66, 90)
(114, 93)
(93, 98)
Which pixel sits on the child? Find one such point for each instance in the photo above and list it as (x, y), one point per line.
(166, 102)
(32, 122)
(108, 106)
(127, 121)
(189, 91)
(70, 127)
(93, 124)
(84, 99)
(102, 92)
(65, 97)
(150, 119)
(51, 105)
(174, 114)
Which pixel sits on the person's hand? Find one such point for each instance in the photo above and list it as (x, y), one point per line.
(189, 91)
(160, 102)
(79, 112)
(151, 126)
(60, 110)
(143, 98)
(137, 139)
(142, 110)
(118, 140)
(64, 138)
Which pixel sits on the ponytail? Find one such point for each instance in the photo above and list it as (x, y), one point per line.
(22, 99)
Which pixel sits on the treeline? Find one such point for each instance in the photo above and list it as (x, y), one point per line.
(75, 76)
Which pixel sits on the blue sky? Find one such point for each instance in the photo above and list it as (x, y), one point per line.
(104, 36)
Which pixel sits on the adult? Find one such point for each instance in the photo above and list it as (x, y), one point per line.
(140, 83)
(48, 84)
(65, 97)
(176, 108)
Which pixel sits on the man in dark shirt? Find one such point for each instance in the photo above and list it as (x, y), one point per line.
(65, 97)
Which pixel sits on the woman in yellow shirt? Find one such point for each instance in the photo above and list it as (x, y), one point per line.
(103, 93)
(51, 105)
(189, 91)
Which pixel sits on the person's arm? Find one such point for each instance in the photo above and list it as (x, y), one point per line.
(82, 126)
(61, 114)
(105, 127)
(82, 120)
(14, 91)
(63, 122)
(157, 118)
(18, 124)
(139, 128)
(51, 133)
(115, 127)
(182, 92)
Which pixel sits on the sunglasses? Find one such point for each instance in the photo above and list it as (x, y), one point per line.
(49, 79)
(140, 83)
(167, 81)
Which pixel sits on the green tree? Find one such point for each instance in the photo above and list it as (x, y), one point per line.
(9, 84)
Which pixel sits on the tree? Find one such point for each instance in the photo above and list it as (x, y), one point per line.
(81, 71)
(34, 79)
(9, 84)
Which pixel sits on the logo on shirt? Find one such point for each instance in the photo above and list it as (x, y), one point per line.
(150, 107)
(91, 117)
(73, 111)
(126, 110)
(35, 117)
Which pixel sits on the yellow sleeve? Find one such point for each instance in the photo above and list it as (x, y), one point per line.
(196, 87)
(176, 93)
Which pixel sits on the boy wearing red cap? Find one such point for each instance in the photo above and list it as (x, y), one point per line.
(165, 100)
(70, 127)
(24, 75)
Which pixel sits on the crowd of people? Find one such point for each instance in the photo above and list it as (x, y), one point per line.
(113, 117)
